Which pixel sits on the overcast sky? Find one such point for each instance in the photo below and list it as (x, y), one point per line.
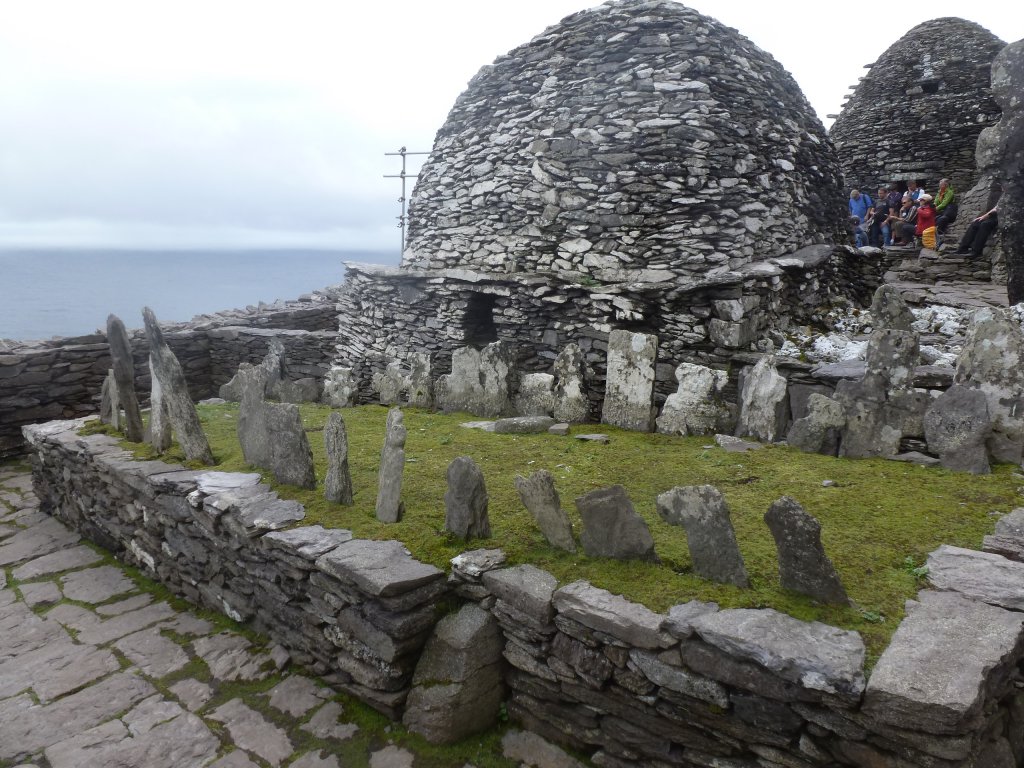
(218, 123)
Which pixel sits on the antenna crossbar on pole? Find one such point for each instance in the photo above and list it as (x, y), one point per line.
(403, 153)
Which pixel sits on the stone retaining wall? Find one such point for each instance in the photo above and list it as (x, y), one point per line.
(61, 378)
(695, 687)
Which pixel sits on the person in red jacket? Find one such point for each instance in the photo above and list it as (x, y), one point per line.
(925, 214)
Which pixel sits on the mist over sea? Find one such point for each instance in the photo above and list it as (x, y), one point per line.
(46, 293)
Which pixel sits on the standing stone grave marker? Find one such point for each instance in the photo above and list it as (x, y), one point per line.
(535, 396)
(764, 409)
(481, 381)
(180, 408)
(612, 528)
(392, 464)
(820, 430)
(341, 389)
(702, 511)
(110, 403)
(390, 384)
(629, 386)
(697, 407)
(124, 377)
(957, 426)
(803, 565)
(570, 399)
(540, 497)
(338, 484)
(465, 501)
(159, 418)
(420, 386)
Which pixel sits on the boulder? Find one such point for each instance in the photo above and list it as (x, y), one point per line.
(341, 388)
(420, 385)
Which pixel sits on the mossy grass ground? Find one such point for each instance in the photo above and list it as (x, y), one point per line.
(879, 520)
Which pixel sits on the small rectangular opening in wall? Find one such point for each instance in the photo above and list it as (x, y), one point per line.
(930, 87)
(478, 322)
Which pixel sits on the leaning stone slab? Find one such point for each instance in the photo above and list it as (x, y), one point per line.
(523, 425)
(389, 506)
(613, 615)
(612, 528)
(124, 377)
(338, 483)
(540, 497)
(698, 406)
(803, 565)
(629, 383)
(979, 575)
(570, 403)
(957, 426)
(535, 396)
(180, 408)
(465, 501)
(811, 654)
(947, 656)
(457, 687)
(110, 402)
(379, 568)
(764, 406)
(702, 511)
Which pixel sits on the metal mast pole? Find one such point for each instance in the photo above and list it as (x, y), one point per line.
(403, 153)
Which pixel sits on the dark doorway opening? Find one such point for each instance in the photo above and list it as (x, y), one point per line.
(478, 322)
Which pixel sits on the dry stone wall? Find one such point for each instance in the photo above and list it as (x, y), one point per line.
(638, 140)
(62, 377)
(695, 687)
(920, 108)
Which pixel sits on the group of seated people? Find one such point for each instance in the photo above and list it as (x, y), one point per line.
(897, 218)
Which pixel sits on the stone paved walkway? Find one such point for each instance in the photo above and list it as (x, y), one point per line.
(954, 294)
(96, 671)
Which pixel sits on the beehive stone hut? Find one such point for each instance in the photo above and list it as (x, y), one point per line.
(918, 112)
(637, 166)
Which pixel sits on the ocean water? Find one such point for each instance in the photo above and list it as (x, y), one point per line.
(46, 293)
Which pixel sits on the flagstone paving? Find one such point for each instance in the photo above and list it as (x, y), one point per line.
(97, 671)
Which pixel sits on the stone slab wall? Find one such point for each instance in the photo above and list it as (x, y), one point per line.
(61, 378)
(388, 313)
(694, 687)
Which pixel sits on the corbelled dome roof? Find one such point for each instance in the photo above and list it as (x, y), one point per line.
(631, 141)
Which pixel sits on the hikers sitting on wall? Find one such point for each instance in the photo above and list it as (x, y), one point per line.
(945, 206)
(914, 190)
(906, 222)
(879, 232)
(978, 232)
(926, 219)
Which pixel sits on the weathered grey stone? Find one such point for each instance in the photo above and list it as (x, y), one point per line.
(420, 384)
(389, 506)
(593, 438)
(526, 588)
(540, 497)
(271, 434)
(465, 501)
(702, 511)
(677, 679)
(229, 658)
(819, 431)
(380, 568)
(54, 669)
(475, 563)
(811, 654)
(251, 731)
(612, 528)
(1011, 524)
(946, 657)
(698, 406)
(629, 383)
(527, 748)
(325, 724)
(192, 693)
(889, 310)
(315, 760)
(338, 483)
(680, 617)
(957, 426)
(764, 407)
(1008, 140)
(37, 593)
(96, 585)
(296, 695)
(154, 654)
(457, 687)
(978, 575)
(307, 543)
(110, 402)
(180, 408)
(391, 757)
(42, 539)
(481, 381)
(612, 615)
(55, 562)
(523, 425)
(570, 399)
(341, 388)
(731, 444)
(803, 565)
(992, 361)
(535, 396)
(265, 512)
(390, 384)
(159, 427)
(124, 377)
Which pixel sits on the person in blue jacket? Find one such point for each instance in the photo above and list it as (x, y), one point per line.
(860, 204)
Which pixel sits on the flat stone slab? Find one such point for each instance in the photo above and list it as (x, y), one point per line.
(296, 695)
(236, 759)
(308, 542)
(611, 614)
(916, 457)
(811, 654)
(154, 654)
(40, 593)
(325, 723)
(732, 444)
(526, 588)
(483, 426)
(55, 669)
(980, 575)
(523, 425)
(527, 748)
(316, 760)
(96, 585)
(593, 438)
(947, 653)
(63, 560)
(229, 658)
(192, 693)
(251, 731)
(379, 568)
(44, 538)
(94, 631)
(123, 606)
(219, 482)
(392, 757)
